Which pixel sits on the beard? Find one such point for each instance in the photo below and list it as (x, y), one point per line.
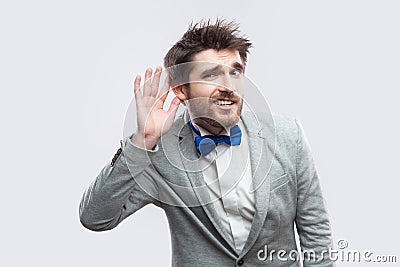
(205, 111)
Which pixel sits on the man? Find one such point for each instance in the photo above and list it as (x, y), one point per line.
(233, 184)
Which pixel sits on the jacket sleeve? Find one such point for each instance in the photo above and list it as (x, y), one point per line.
(115, 194)
(312, 220)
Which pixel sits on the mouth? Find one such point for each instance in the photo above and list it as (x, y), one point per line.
(225, 103)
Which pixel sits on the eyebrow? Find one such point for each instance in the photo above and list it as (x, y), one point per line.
(235, 65)
(216, 68)
(238, 66)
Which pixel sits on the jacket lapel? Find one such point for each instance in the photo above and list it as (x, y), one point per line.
(261, 140)
(191, 163)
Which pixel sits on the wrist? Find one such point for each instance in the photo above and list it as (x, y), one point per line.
(141, 141)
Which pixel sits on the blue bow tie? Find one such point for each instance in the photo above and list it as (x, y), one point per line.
(207, 143)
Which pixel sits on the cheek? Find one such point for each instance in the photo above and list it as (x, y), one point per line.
(238, 87)
(201, 90)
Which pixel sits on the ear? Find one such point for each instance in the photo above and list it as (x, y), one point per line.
(180, 92)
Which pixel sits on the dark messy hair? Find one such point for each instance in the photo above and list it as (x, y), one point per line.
(204, 35)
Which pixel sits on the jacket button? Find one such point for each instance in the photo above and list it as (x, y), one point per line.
(240, 262)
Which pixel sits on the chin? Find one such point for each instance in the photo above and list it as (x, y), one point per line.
(216, 117)
(228, 121)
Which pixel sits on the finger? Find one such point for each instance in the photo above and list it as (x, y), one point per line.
(147, 82)
(164, 89)
(136, 86)
(156, 81)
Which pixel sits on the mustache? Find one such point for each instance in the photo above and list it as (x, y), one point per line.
(227, 96)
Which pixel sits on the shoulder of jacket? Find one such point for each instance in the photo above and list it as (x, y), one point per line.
(286, 128)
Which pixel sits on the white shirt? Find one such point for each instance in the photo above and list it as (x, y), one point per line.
(229, 182)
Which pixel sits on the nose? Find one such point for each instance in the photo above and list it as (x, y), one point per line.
(226, 85)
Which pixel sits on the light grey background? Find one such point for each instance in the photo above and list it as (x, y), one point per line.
(66, 73)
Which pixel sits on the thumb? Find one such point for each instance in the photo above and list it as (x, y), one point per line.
(174, 106)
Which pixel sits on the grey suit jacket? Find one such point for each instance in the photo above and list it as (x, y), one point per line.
(287, 194)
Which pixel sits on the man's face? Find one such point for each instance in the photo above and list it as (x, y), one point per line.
(214, 95)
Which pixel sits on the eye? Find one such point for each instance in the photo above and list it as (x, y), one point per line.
(209, 75)
(236, 72)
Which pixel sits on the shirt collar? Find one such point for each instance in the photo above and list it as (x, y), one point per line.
(204, 132)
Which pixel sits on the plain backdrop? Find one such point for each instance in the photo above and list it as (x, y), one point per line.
(66, 81)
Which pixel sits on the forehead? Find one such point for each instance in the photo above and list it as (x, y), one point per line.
(224, 57)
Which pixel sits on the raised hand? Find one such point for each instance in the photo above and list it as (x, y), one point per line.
(152, 120)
